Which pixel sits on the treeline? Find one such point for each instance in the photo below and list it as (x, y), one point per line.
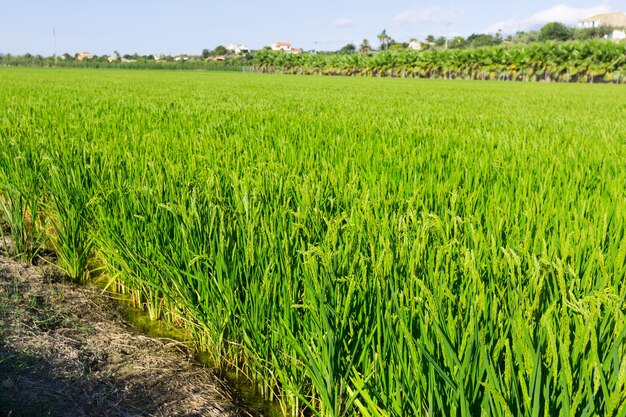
(573, 61)
(577, 61)
(553, 31)
(28, 60)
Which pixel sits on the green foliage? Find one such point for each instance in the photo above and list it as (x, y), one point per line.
(365, 47)
(137, 62)
(220, 50)
(397, 46)
(347, 49)
(20, 203)
(555, 31)
(457, 42)
(481, 40)
(597, 32)
(525, 37)
(354, 246)
(589, 61)
(384, 40)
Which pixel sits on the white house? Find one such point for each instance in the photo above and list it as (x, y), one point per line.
(415, 45)
(281, 46)
(617, 35)
(286, 47)
(114, 57)
(237, 48)
(615, 19)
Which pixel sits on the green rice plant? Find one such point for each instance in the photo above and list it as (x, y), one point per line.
(350, 246)
(13, 215)
(20, 198)
(69, 213)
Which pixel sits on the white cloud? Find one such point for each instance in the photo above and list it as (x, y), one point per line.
(342, 22)
(429, 14)
(559, 13)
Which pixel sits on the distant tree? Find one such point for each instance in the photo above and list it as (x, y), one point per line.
(555, 31)
(430, 38)
(397, 46)
(440, 41)
(365, 47)
(220, 50)
(393, 44)
(206, 53)
(483, 39)
(526, 37)
(347, 49)
(591, 33)
(383, 38)
(458, 42)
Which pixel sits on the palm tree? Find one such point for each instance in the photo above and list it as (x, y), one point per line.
(365, 46)
(589, 61)
(384, 39)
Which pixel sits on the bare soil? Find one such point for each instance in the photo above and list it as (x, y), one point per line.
(67, 350)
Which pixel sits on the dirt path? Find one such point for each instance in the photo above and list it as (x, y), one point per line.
(66, 350)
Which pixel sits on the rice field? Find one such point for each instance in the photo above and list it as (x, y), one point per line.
(355, 247)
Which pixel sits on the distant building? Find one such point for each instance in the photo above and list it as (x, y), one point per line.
(114, 57)
(237, 48)
(84, 56)
(415, 45)
(615, 19)
(617, 35)
(281, 46)
(286, 47)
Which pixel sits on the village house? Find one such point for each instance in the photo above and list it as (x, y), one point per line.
(84, 55)
(281, 46)
(237, 48)
(286, 47)
(615, 19)
(616, 35)
(114, 57)
(415, 45)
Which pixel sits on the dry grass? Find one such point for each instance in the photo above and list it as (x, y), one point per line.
(66, 350)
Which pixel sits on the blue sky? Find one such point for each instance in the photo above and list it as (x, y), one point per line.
(188, 26)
